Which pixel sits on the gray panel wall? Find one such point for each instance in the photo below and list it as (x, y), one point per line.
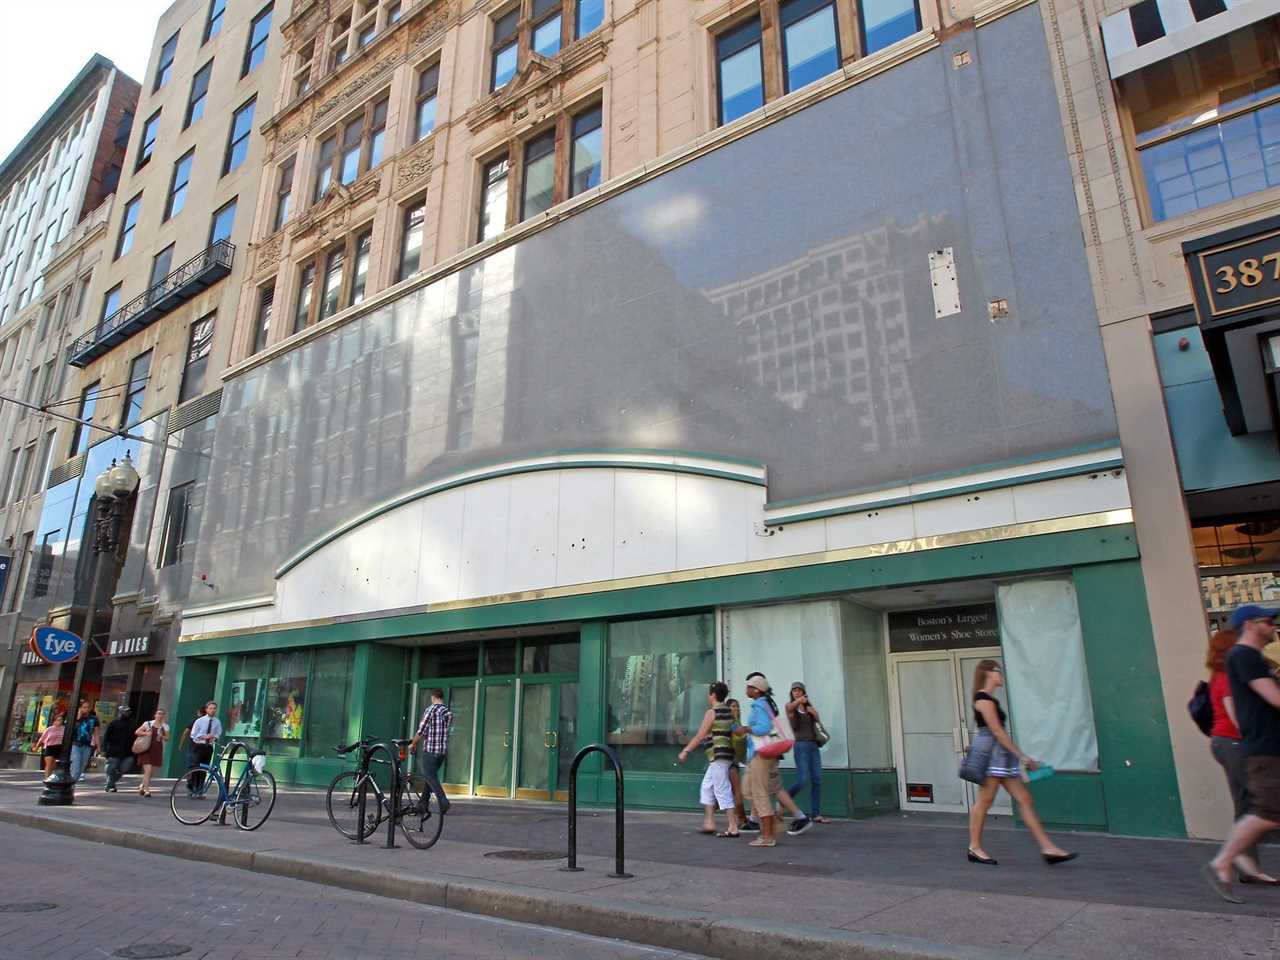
(771, 300)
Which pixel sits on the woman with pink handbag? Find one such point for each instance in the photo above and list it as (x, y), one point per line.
(770, 738)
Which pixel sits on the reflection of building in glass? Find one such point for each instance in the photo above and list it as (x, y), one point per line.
(833, 322)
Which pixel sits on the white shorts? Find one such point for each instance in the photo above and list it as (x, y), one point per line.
(716, 788)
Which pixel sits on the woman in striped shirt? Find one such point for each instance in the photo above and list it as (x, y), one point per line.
(717, 727)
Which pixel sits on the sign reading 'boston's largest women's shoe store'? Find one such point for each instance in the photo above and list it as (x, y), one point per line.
(53, 645)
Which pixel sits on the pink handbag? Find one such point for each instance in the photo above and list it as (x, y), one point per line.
(776, 744)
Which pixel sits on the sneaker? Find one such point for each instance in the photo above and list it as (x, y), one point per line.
(751, 826)
(799, 826)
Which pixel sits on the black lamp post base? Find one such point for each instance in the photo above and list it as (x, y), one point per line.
(59, 790)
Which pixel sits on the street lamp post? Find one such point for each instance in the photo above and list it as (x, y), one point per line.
(113, 490)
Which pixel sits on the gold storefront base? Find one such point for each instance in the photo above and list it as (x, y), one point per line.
(497, 793)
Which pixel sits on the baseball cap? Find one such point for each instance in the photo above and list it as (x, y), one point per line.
(1251, 611)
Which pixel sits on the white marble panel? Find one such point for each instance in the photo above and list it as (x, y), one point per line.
(878, 525)
(403, 527)
(361, 558)
(584, 544)
(531, 531)
(484, 538)
(644, 523)
(710, 521)
(440, 562)
(974, 511)
(1071, 496)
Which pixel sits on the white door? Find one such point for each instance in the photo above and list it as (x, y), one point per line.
(932, 693)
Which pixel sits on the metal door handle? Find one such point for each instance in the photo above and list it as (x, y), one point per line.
(545, 736)
(955, 740)
(506, 738)
(555, 739)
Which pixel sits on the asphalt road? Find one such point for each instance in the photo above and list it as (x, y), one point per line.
(113, 902)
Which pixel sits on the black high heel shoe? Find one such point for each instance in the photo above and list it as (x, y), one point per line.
(985, 861)
(1052, 858)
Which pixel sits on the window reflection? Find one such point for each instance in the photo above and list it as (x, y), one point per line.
(810, 48)
(741, 76)
(885, 22)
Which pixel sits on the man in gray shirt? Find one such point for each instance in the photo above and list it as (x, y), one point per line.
(204, 734)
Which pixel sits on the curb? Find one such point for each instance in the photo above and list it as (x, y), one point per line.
(657, 926)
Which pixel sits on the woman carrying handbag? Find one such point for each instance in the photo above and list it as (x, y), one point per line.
(148, 748)
(811, 736)
(995, 750)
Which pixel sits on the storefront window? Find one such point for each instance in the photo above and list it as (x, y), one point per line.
(34, 704)
(246, 698)
(499, 657)
(657, 681)
(459, 660)
(554, 655)
(329, 700)
(286, 701)
(114, 693)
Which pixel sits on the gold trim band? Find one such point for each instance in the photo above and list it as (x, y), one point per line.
(1010, 531)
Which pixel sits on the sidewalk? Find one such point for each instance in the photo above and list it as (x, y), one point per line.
(891, 887)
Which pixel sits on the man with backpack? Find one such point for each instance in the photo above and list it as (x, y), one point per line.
(117, 747)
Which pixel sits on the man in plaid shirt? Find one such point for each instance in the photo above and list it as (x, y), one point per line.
(433, 734)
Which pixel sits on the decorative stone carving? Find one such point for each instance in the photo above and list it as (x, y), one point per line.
(354, 88)
(416, 165)
(432, 26)
(269, 253)
(536, 88)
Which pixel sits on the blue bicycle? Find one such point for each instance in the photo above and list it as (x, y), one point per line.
(202, 791)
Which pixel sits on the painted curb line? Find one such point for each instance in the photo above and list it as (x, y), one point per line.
(652, 925)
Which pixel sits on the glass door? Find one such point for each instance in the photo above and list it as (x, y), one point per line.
(548, 738)
(966, 663)
(566, 738)
(497, 738)
(456, 775)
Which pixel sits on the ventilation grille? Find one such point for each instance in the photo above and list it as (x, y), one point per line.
(72, 468)
(195, 410)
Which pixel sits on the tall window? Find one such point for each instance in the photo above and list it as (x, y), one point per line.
(178, 184)
(493, 199)
(224, 219)
(505, 50)
(887, 21)
(110, 303)
(199, 95)
(259, 29)
(362, 141)
(15, 597)
(128, 223)
(175, 545)
(548, 23)
(332, 283)
(197, 365)
(9, 474)
(306, 290)
(284, 193)
(238, 138)
(164, 68)
(425, 110)
(588, 15)
(213, 24)
(539, 174)
(810, 48)
(147, 143)
(587, 150)
(81, 435)
(262, 327)
(360, 279)
(135, 390)
(325, 158)
(739, 71)
(161, 265)
(411, 240)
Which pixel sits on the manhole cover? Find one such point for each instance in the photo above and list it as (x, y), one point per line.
(525, 855)
(152, 951)
(26, 907)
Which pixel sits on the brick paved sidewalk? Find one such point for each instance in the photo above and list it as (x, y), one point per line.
(892, 876)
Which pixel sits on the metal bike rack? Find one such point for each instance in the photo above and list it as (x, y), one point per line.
(228, 754)
(364, 795)
(618, 811)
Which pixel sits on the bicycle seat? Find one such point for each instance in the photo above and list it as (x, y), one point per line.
(402, 743)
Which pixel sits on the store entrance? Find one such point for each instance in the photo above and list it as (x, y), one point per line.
(515, 724)
(931, 705)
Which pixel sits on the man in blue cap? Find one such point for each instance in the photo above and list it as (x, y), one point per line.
(1256, 697)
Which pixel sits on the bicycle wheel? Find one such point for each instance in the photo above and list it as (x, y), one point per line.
(254, 799)
(342, 803)
(420, 817)
(194, 807)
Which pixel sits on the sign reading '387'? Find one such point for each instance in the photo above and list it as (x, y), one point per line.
(1233, 275)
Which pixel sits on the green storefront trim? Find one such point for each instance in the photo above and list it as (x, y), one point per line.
(1134, 792)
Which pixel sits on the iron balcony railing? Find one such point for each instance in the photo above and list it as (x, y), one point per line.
(199, 273)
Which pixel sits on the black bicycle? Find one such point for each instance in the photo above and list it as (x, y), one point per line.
(417, 811)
